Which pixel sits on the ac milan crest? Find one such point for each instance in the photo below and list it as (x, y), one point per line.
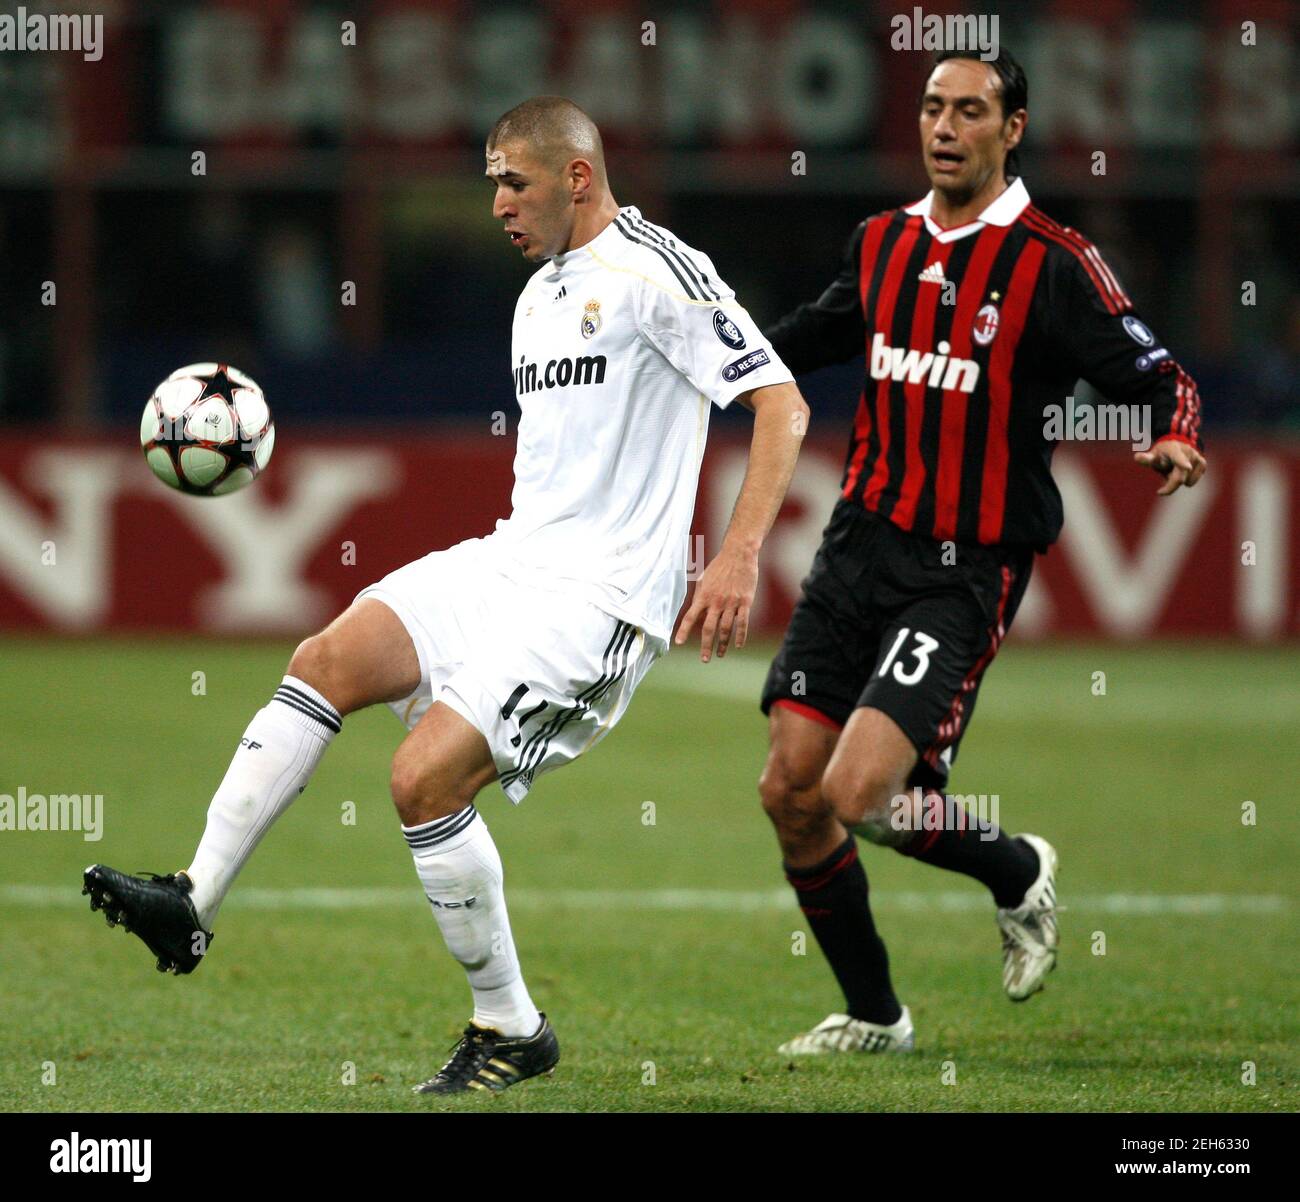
(986, 325)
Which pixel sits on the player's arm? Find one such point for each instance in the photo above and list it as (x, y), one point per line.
(725, 591)
(829, 329)
(1119, 355)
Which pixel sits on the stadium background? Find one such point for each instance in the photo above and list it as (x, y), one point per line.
(326, 165)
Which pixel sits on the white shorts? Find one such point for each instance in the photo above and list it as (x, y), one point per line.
(542, 675)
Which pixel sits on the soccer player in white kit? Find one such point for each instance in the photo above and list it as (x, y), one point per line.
(511, 654)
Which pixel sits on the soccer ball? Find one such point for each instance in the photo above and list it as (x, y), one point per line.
(207, 430)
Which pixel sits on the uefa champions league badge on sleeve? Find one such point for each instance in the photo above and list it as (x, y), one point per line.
(1138, 332)
(590, 318)
(728, 330)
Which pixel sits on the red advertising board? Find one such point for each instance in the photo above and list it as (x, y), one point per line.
(90, 541)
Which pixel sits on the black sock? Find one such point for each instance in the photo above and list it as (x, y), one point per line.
(833, 895)
(950, 838)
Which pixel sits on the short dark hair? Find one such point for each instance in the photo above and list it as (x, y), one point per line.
(1014, 91)
(554, 127)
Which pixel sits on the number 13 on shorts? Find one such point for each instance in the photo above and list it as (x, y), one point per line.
(921, 650)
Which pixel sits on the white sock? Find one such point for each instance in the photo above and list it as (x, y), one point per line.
(460, 869)
(273, 763)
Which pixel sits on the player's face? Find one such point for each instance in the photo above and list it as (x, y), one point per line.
(964, 137)
(531, 202)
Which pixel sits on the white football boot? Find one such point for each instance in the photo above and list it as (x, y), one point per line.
(840, 1033)
(1029, 933)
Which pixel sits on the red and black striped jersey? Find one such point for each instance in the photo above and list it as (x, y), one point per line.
(972, 336)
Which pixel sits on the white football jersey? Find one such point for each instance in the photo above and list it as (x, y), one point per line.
(618, 349)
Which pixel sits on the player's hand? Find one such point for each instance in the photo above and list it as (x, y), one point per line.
(1179, 462)
(723, 596)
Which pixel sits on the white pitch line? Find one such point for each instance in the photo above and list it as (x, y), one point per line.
(1138, 704)
(732, 901)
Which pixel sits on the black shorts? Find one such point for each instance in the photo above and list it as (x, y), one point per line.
(884, 621)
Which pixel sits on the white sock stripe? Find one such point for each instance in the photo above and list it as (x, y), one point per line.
(313, 701)
(433, 824)
(301, 686)
(439, 830)
(306, 717)
(312, 706)
(304, 690)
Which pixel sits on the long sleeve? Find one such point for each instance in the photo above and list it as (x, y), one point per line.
(829, 329)
(1092, 320)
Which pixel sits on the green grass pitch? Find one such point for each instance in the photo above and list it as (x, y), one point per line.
(664, 951)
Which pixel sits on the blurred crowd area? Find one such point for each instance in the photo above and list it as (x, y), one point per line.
(327, 165)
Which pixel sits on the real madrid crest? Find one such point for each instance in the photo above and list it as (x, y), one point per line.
(590, 318)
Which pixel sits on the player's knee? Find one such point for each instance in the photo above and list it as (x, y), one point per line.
(785, 775)
(316, 662)
(412, 789)
(860, 798)
(421, 793)
(789, 789)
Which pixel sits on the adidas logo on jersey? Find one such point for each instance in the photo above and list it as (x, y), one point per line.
(933, 274)
(915, 367)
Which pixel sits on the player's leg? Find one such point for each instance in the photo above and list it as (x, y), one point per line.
(888, 776)
(822, 865)
(438, 771)
(798, 749)
(815, 680)
(363, 657)
(867, 786)
(545, 678)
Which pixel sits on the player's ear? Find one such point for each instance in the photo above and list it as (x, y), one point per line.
(1015, 126)
(580, 176)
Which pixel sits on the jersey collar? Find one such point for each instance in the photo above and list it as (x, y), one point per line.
(1003, 211)
(603, 243)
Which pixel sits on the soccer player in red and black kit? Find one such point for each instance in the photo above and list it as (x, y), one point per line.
(976, 312)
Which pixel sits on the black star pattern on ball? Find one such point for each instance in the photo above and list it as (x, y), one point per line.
(217, 384)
